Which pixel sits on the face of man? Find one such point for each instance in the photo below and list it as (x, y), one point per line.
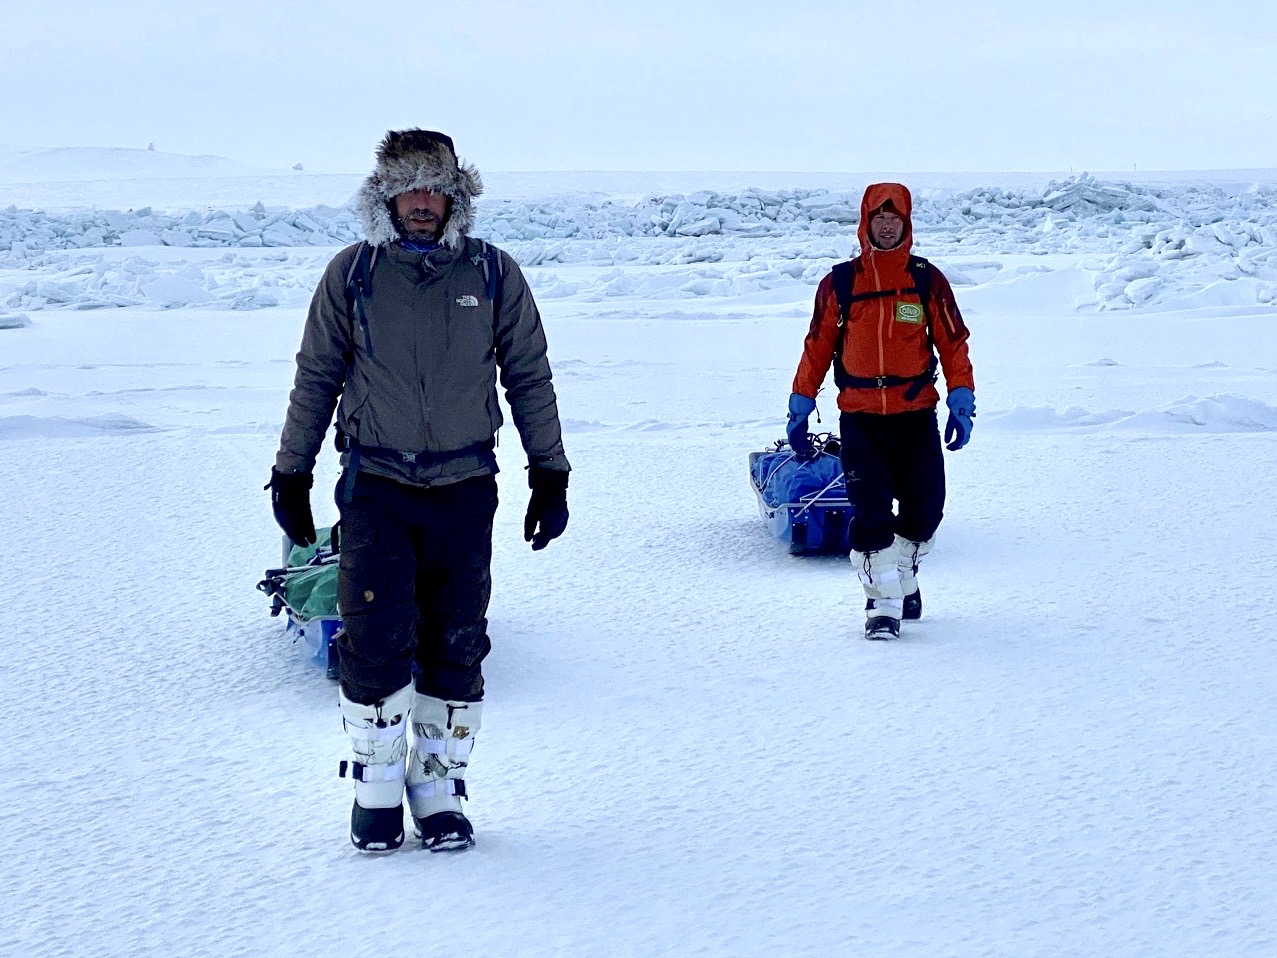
(421, 214)
(886, 229)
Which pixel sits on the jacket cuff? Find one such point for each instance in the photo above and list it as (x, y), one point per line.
(555, 463)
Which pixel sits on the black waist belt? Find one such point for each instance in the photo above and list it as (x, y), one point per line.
(424, 459)
(916, 383)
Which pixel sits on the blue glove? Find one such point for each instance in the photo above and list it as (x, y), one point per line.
(957, 431)
(800, 407)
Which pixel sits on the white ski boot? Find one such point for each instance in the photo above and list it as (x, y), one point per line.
(379, 740)
(880, 575)
(909, 553)
(443, 737)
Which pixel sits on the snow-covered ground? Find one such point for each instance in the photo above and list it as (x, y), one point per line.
(687, 749)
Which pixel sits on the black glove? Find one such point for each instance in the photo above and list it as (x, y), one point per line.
(548, 507)
(290, 499)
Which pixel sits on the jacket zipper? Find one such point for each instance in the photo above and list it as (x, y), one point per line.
(882, 356)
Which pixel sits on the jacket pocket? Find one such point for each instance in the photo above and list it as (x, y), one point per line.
(493, 407)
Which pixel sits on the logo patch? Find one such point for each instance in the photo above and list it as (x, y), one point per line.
(467, 301)
(910, 313)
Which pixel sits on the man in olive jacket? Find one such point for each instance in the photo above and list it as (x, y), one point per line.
(410, 331)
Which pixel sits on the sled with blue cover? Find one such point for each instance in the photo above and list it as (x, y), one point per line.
(305, 588)
(803, 502)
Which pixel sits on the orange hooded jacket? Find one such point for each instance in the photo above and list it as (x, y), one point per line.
(881, 340)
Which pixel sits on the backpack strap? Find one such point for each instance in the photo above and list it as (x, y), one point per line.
(492, 274)
(844, 275)
(844, 280)
(359, 288)
(488, 261)
(920, 270)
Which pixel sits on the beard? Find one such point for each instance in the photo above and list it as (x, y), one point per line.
(421, 225)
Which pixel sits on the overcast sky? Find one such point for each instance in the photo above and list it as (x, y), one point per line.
(656, 84)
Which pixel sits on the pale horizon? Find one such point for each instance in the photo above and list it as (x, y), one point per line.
(568, 86)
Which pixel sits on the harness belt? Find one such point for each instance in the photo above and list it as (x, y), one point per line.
(916, 383)
(425, 459)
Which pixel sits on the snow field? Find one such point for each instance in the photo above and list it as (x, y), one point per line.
(686, 747)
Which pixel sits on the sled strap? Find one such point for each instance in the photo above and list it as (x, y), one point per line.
(812, 500)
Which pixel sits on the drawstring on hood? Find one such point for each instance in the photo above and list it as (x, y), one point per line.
(418, 159)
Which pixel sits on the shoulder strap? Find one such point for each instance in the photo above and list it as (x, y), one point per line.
(359, 288)
(844, 277)
(844, 285)
(488, 261)
(492, 274)
(921, 271)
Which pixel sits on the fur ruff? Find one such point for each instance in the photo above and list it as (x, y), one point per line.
(407, 162)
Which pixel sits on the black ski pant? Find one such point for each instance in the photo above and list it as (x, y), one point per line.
(896, 456)
(413, 585)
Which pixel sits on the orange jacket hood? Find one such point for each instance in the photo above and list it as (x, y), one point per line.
(876, 196)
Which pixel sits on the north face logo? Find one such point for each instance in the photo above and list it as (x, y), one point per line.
(467, 301)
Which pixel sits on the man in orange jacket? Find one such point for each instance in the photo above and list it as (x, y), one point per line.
(879, 321)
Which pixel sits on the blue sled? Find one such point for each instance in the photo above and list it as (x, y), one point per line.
(804, 504)
(319, 635)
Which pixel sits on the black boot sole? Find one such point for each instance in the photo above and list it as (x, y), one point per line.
(445, 832)
(882, 628)
(376, 829)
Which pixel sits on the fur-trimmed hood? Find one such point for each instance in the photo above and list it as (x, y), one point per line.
(417, 160)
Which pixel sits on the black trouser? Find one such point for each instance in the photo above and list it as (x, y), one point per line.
(897, 456)
(414, 583)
